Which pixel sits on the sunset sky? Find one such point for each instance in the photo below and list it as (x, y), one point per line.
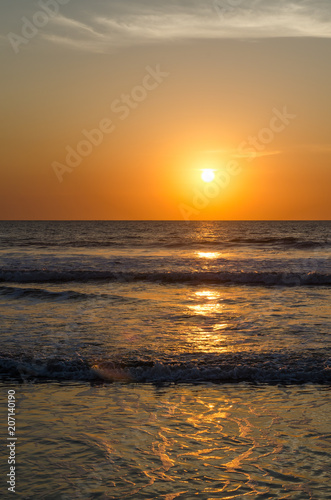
(111, 109)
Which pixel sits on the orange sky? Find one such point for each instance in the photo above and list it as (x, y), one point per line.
(173, 89)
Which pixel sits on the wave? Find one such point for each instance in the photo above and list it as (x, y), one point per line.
(269, 242)
(288, 242)
(37, 293)
(13, 292)
(175, 243)
(267, 368)
(261, 278)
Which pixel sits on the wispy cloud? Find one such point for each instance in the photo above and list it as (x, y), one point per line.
(73, 24)
(236, 153)
(257, 154)
(76, 34)
(100, 26)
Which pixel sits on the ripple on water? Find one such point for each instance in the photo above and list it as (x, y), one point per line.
(205, 441)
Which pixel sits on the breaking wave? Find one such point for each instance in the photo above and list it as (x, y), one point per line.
(267, 368)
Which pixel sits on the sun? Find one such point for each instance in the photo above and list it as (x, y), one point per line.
(207, 175)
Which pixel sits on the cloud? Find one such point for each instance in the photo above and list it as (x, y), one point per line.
(76, 34)
(298, 148)
(257, 154)
(98, 26)
(235, 153)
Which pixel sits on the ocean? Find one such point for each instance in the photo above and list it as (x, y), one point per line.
(167, 359)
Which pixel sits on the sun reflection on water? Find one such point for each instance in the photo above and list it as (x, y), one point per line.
(209, 335)
(207, 308)
(208, 255)
(205, 441)
(207, 341)
(208, 294)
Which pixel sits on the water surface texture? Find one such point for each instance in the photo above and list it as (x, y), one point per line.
(168, 359)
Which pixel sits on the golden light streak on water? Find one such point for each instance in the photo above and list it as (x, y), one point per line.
(208, 255)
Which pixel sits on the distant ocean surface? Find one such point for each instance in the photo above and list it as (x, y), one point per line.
(189, 359)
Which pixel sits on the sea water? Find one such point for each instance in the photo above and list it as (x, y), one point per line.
(167, 359)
